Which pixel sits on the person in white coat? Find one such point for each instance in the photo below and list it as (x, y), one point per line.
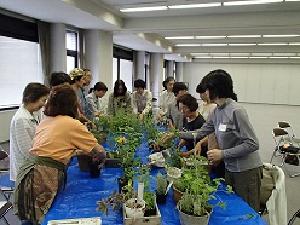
(166, 97)
(23, 124)
(141, 99)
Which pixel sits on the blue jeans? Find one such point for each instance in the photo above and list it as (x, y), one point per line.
(26, 222)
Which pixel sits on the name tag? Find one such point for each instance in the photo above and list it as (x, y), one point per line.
(222, 127)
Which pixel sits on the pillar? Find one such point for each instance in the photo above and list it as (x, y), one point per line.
(139, 65)
(170, 68)
(156, 74)
(179, 71)
(58, 49)
(99, 56)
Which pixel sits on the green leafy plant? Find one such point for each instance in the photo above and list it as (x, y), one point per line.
(116, 200)
(161, 184)
(149, 198)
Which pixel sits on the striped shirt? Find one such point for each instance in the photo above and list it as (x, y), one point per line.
(22, 130)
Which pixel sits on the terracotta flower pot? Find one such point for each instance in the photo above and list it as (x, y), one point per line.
(176, 195)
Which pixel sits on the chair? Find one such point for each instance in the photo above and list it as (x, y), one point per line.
(279, 136)
(276, 204)
(296, 215)
(285, 147)
(291, 134)
(5, 206)
(6, 185)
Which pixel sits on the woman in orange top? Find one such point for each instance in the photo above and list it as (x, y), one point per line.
(56, 139)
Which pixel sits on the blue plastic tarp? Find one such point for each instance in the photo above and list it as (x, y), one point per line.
(78, 199)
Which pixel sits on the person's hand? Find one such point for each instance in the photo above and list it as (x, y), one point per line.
(170, 124)
(182, 142)
(185, 154)
(198, 148)
(141, 116)
(158, 117)
(214, 155)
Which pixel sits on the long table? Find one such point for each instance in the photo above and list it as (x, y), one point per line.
(78, 199)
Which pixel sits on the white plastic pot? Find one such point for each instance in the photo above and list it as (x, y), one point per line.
(135, 212)
(186, 219)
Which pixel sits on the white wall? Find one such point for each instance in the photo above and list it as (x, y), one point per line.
(254, 83)
(5, 118)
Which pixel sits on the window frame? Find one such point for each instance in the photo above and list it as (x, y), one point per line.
(74, 53)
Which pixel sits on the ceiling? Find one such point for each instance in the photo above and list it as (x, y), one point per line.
(147, 31)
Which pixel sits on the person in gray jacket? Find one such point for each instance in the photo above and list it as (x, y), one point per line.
(238, 144)
(175, 117)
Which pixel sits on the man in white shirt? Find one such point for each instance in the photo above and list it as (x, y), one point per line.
(23, 124)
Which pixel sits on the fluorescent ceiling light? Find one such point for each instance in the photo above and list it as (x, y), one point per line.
(294, 43)
(199, 53)
(180, 38)
(262, 54)
(281, 35)
(250, 2)
(242, 44)
(213, 4)
(295, 57)
(219, 54)
(239, 57)
(213, 45)
(221, 57)
(239, 54)
(284, 54)
(244, 36)
(258, 57)
(203, 57)
(282, 57)
(144, 9)
(270, 44)
(292, 0)
(211, 37)
(188, 45)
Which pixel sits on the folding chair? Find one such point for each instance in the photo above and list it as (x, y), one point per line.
(6, 185)
(281, 137)
(296, 215)
(5, 206)
(273, 186)
(291, 134)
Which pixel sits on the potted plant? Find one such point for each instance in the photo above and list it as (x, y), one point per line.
(173, 173)
(116, 200)
(135, 208)
(113, 159)
(193, 209)
(150, 207)
(179, 186)
(161, 188)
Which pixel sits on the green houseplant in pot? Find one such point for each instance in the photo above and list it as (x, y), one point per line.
(161, 188)
(192, 211)
(150, 208)
(194, 207)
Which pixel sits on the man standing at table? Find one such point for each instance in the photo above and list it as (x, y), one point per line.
(238, 145)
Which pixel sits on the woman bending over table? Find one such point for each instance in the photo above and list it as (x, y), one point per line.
(56, 139)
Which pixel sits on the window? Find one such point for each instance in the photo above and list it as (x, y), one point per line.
(126, 73)
(122, 66)
(72, 50)
(115, 69)
(20, 64)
